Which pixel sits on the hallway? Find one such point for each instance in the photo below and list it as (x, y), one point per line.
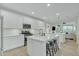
(69, 48)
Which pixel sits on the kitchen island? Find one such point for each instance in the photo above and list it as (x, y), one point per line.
(36, 45)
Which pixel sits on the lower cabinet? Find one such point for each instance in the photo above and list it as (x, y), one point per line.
(41, 48)
(13, 42)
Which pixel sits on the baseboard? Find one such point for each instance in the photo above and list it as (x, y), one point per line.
(13, 48)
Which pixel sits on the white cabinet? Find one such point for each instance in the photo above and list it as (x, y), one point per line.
(12, 20)
(35, 24)
(31, 21)
(13, 42)
(39, 46)
(36, 47)
(41, 23)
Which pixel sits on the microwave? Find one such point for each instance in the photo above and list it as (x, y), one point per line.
(26, 26)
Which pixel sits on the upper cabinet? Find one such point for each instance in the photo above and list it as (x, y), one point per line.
(30, 21)
(12, 20)
(40, 23)
(35, 24)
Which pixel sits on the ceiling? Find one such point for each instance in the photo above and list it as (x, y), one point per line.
(67, 11)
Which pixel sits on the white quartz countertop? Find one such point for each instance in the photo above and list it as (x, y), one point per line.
(43, 38)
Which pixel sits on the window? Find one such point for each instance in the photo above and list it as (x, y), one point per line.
(68, 28)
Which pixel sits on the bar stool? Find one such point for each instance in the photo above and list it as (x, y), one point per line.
(52, 47)
(48, 52)
(55, 46)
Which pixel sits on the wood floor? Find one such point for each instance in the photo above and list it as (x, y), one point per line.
(69, 48)
(21, 51)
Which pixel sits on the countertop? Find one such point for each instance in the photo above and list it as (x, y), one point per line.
(43, 38)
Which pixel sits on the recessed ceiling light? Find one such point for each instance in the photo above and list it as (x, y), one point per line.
(33, 12)
(48, 5)
(57, 14)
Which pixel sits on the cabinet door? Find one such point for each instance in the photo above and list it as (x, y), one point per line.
(9, 43)
(30, 21)
(12, 20)
(40, 24)
(13, 42)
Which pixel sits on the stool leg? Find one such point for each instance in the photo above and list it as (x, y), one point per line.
(52, 51)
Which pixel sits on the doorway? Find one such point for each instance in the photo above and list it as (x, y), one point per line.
(70, 32)
(69, 48)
